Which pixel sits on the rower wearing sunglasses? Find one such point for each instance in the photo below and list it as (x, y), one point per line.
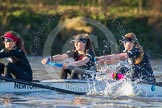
(17, 66)
(133, 52)
(83, 55)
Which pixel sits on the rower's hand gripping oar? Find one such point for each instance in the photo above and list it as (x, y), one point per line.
(48, 61)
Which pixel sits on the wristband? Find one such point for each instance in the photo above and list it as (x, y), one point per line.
(48, 59)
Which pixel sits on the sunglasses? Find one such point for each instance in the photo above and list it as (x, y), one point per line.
(84, 40)
(7, 40)
(127, 40)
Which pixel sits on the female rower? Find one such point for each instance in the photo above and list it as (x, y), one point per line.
(17, 66)
(140, 66)
(83, 55)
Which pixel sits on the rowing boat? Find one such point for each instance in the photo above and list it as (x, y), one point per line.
(84, 87)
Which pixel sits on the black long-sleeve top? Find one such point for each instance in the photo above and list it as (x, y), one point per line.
(142, 70)
(18, 57)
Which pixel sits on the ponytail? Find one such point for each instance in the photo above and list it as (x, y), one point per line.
(140, 58)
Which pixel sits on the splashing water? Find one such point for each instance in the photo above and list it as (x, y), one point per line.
(106, 85)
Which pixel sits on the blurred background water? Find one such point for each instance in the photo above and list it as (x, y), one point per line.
(61, 100)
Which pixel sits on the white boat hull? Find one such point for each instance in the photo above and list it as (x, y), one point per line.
(83, 86)
(70, 85)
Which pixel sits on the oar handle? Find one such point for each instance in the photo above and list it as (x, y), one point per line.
(55, 64)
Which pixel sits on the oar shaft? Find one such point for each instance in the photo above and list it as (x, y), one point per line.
(41, 86)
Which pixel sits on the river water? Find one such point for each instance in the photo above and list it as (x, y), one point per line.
(54, 99)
